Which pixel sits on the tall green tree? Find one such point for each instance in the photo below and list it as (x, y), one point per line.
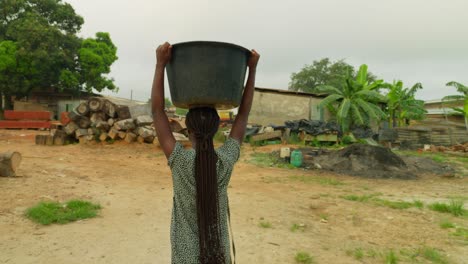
(323, 72)
(402, 105)
(48, 52)
(356, 102)
(459, 97)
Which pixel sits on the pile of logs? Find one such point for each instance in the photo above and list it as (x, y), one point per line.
(99, 119)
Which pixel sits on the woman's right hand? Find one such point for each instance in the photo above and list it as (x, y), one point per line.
(163, 54)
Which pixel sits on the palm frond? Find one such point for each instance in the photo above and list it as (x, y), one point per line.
(343, 110)
(358, 119)
(329, 100)
(371, 95)
(460, 87)
(378, 111)
(328, 89)
(362, 74)
(375, 85)
(453, 98)
(368, 110)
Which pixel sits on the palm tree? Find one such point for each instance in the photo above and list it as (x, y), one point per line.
(402, 105)
(459, 97)
(356, 102)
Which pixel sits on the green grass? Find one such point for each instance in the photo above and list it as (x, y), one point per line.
(433, 255)
(455, 207)
(439, 158)
(181, 111)
(265, 224)
(371, 198)
(219, 137)
(297, 227)
(304, 257)
(391, 258)
(461, 233)
(268, 160)
(357, 253)
(445, 224)
(47, 213)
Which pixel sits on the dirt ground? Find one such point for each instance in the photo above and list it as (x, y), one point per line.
(133, 185)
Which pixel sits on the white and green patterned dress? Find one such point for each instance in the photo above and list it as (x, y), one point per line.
(184, 228)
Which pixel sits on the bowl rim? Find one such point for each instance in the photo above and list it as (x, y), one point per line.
(215, 43)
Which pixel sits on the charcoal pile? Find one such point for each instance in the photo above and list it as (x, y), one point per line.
(313, 127)
(367, 161)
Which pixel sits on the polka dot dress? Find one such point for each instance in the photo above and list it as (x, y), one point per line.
(184, 228)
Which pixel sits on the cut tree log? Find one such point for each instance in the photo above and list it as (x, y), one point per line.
(145, 132)
(41, 139)
(113, 133)
(102, 125)
(126, 124)
(122, 134)
(71, 128)
(103, 136)
(97, 116)
(84, 122)
(49, 140)
(109, 108)
(9, 162)
(130, 137)
(59, 140)
(73, 115)
(123, 112)
(82, 109)
(81, 132)
(144, 120)
(95, 104)
(269, 135)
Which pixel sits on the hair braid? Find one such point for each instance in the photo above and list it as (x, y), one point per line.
(204, 123)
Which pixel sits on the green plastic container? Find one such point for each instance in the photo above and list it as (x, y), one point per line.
(205, 73)
(296, 158)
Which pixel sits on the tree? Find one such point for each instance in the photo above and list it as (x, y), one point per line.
(356, 102)
(459, 97)
(48, 53)
(323, 72)
(402, 105)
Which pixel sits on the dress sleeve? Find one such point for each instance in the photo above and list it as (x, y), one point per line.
(177, 156)
(230, 151)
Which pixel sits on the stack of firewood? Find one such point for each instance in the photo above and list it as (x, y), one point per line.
(99, 119)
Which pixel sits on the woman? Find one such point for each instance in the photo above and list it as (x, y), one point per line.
(199, 228)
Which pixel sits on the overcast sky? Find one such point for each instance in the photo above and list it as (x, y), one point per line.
(413, 40)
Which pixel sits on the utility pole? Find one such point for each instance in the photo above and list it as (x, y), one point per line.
(131, 95)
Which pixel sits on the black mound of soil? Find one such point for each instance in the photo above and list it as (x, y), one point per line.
(367, 161)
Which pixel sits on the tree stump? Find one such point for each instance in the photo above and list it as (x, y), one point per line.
(9, 162)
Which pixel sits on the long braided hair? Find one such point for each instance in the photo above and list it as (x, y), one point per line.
(203, 123)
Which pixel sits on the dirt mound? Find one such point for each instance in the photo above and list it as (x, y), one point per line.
(367, 161)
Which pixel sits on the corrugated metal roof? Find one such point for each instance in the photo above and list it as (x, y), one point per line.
(123, 101)
(289, 92)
